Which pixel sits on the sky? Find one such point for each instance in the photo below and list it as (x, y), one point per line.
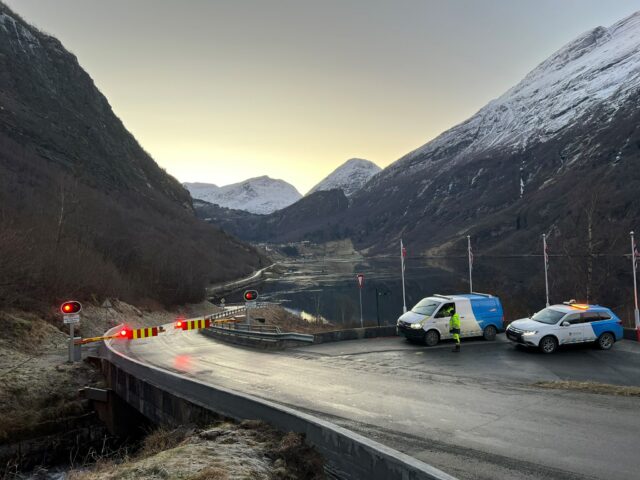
(219, 91)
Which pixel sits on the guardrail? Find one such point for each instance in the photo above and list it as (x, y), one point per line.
(226, 313)
(270, 333)
(165, 396)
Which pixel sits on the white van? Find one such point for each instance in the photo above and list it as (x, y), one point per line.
(480, 315)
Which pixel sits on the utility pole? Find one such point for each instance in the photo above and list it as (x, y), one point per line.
(634, 262)
(470, 263)
(360, 278)
(546, 266)
(403, 254)
(377, 306)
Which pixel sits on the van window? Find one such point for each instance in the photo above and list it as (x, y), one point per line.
(426, 307)
(441, 313)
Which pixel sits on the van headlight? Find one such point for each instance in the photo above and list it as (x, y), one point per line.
(416, 325)
(529, 332)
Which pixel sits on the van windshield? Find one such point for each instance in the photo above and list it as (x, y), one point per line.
(426, 307)
(548, 316)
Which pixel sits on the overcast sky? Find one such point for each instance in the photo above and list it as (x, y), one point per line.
(222, 90)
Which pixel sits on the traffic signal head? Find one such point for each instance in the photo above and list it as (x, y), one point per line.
(250, 295)
(71, 307)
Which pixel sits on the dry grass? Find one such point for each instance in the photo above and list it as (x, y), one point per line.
(249, 450)
(162, 439)
(210, 473)
(592, 387)
(34, 378)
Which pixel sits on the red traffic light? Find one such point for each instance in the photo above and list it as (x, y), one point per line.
(125, 332)
(250, 295)
(71, 307)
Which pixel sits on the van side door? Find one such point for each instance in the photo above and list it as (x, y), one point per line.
(442, 320)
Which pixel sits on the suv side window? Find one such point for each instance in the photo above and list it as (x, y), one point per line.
(604, 316)
(573, 318)
(591, 317)
(444, 308)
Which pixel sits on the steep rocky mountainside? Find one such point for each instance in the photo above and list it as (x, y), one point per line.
(349, 177)
(84, 209)
(314, 217)
(261, 195)
(556, 153)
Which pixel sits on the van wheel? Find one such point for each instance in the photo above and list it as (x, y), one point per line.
(548, 344)
(490, 333)
(605, 341)
(431, 338)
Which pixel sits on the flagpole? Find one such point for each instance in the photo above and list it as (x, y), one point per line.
(546, 266)
(470, 266)
(636, 314)
(404, 298)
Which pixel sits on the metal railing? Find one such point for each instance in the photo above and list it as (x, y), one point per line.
(252, 327)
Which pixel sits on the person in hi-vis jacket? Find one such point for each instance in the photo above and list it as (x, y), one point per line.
(454, 327)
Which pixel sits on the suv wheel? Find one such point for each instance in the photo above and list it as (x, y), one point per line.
(548, 344)
(490, 333)
(431, 338)
(605, 341)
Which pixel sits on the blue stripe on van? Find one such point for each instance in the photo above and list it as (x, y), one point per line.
(488, 311)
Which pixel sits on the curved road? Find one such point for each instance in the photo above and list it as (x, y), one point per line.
(475, 415)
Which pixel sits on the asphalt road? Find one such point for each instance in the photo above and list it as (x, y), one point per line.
(474, 415)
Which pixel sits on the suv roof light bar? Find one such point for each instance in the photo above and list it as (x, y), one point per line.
(488, 295)
(442, 296)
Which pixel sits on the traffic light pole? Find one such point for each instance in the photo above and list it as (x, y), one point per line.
(361, 321)
(71, 337)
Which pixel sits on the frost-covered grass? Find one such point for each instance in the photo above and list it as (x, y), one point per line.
(592, 387)
(223, 451)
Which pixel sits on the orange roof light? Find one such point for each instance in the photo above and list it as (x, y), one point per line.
(580, 306)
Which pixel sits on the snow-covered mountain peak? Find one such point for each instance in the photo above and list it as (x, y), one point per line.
(261, 195)
(349, 177)
(600, 67)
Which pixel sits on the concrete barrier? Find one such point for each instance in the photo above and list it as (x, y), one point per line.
(168, 397)
(355, 334)
(631, 334)
(273, 342)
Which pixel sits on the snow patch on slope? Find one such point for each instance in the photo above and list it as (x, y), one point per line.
(602, 66)
(260, 195)
(349, 177)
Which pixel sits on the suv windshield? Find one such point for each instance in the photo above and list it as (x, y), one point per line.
(548, 316)
(426, 306)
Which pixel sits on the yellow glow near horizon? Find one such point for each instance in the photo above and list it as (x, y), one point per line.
(220, 91)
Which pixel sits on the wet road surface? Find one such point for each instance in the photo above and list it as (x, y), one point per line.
(475, 415)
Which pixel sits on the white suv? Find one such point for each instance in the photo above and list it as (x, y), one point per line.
(565, 324)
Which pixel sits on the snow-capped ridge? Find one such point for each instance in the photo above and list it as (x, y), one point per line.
(262, 195)
(348, 177)
(600, 67)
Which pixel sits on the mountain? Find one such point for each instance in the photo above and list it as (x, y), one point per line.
(85, 211)
(299, 221)
(562, 142)
(261, 195)
(556, 154)
(348, 177)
